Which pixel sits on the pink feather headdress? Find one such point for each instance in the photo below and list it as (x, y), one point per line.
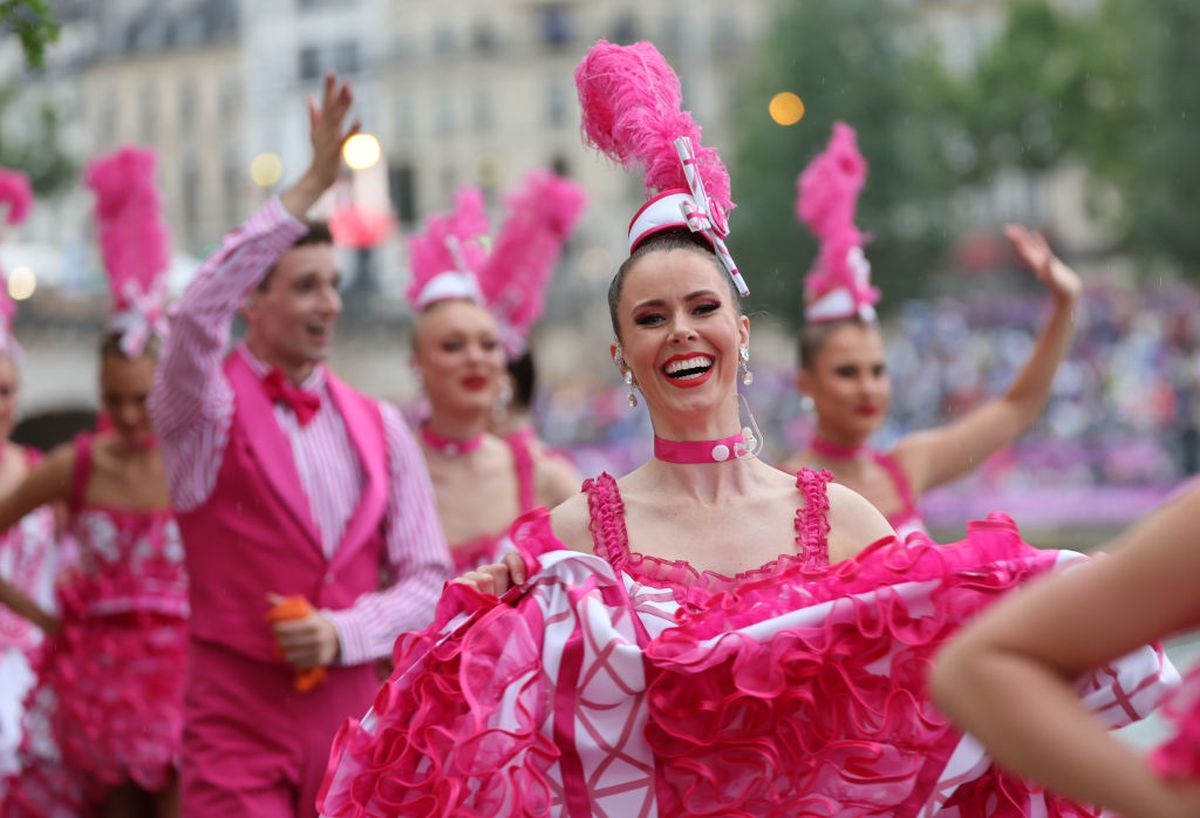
(513, 281)
(632, 112)
(133, 243)
(17, 195)
(446, 258)
(838, 284)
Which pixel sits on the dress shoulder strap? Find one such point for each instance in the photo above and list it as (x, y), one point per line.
(899, 480)
(526, 468)
(812, 521)
(609, 537)
(81, 472)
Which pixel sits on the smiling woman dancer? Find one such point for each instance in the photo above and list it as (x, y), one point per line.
(706, 635)
(842, 366)
(473, 307)
(111, 680)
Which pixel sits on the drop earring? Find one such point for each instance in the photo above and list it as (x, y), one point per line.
(627, 376)
(744, 363)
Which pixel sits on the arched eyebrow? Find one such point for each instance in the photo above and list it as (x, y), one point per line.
(659, 303)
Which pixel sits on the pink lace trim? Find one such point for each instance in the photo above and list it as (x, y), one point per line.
(611, 541)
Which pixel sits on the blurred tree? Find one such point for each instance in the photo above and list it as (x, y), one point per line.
(863, 62)
(39, 152)
(1149, 151)
(33, 21)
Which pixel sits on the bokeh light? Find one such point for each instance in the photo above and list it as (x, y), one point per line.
(786, 108)
(22, 283)
(266, 169)
(361, 151)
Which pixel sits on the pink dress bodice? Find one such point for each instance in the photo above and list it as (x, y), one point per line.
(129, 560)
(482, 550)
(28, 560)
(690, 586)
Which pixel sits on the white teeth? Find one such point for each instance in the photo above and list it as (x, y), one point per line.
(691, 363)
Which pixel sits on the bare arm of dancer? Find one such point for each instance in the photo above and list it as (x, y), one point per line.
(1007, 679)
(936, 456)
(47, 483)
(557, 480)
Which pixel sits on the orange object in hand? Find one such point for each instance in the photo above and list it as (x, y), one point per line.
(290, 609)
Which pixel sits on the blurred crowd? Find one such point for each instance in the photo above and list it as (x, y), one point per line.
(1122, 426)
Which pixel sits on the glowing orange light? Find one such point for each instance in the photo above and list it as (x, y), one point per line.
(786, 108)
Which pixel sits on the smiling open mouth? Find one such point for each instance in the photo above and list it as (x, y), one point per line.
(691, 368)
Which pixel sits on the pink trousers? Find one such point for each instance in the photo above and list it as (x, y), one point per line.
(254, 746)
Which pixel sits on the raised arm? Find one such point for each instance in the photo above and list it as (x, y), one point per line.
(192, 403)
(1008, 679)
(936, 456)
(418, 557)
(48, 482)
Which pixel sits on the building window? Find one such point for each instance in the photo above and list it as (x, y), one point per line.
(231, 188)
(402, 186)
(443, 113)
(483, 39)
(443, 41)
(310, 63)
(558, 101)
(625, 30)
(108, 118)
(187, 106)
(405, 116)
(148, 115)
(557, 26)
(191, 204)
(484, 111)
(346, 58)
(560, 166)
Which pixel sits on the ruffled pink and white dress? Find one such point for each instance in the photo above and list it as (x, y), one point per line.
(488, 548)
(617, 684)
(110, 682)
(29, 561)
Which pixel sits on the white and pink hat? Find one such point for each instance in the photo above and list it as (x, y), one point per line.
(133, 243)
(452, 258)
(838, 285)
(17, 196)
(632, 111)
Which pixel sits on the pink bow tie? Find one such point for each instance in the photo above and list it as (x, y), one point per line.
(303, 404)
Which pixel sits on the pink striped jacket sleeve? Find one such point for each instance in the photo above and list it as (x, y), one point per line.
(417, 554)
(191, 403)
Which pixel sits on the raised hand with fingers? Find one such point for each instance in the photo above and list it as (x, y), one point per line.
(1035, 253)
(327, 132)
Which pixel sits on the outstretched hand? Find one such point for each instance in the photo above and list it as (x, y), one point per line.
(327, 132)
(1036, 254)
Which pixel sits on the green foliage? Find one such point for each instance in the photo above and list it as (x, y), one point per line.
(39, 153)
(844, 58)
(33, 21)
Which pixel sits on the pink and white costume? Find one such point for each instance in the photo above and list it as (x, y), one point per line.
(267, 505)
(110, 682)
(28, 560)
(621, 684)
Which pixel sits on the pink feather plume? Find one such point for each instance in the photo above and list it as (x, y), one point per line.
(541, 216)
(632, 112)
(128, 212)
(429, 252)
(827, 202)
(17, 194)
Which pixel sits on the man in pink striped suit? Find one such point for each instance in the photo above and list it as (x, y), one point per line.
(285, 482)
